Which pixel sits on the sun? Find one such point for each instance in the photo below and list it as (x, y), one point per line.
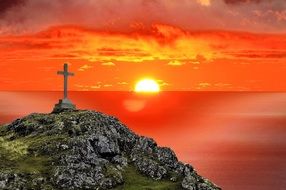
(147, 85)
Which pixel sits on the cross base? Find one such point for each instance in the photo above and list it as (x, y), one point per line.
(64, 105)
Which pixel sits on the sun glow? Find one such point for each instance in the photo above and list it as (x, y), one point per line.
(147, 85)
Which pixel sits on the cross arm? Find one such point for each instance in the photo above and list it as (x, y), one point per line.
(65, 73)
(60, 73)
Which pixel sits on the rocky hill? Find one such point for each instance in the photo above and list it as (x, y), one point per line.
(87, 150)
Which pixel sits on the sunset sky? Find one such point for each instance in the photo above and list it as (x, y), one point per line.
(235, 139)
(236, 45)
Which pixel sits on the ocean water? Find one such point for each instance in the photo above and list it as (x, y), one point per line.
(236, 139)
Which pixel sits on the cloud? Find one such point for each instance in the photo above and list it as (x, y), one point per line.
(162, 83)
(222, 85)
(85, 67)
(26, 16)
(176, 63)
(260, 54)
(162, 42)
(93, 45)
(145, 53)
(95, 86)
(108, 64)
(6, 5)
(122, 83)
(203, 85)
(264, 14)
(242, 1)
(204, 2)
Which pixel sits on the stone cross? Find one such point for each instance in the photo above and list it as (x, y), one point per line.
(65, 103)
(66, 74)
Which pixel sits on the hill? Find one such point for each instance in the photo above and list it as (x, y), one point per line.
(88, 150)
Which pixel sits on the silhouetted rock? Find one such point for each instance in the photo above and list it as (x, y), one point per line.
(87, 150)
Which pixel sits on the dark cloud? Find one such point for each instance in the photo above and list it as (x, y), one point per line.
(26, 16)
(241, 1)
(6, 5)
(260, 54)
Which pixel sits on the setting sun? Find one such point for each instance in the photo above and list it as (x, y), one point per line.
(147, 85)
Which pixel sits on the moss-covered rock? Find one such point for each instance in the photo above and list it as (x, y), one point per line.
(87, 150)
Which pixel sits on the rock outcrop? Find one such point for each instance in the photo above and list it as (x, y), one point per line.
(87, 150)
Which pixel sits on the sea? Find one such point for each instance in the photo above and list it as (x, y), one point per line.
(235, 139)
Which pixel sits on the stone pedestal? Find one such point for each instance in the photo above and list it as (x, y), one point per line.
(64, 105)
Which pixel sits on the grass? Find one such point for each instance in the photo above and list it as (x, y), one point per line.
(21, 155)
(136, 181)
(32, 165)
(15, 149)
(15, 155)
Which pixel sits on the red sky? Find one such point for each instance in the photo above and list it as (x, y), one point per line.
(185, 45)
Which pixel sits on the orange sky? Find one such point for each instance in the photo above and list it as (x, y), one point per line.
(191, 45)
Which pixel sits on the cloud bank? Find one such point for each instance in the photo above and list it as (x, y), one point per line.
(24, 16)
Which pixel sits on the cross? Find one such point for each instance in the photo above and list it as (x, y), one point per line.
(66, 75)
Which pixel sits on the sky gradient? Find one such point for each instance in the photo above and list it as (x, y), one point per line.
(225, 45)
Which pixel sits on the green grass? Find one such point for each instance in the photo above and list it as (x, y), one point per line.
(21, 155)
(32, 165)
(13, 149)
(15, 155)
(136, 181)
(22, 163)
